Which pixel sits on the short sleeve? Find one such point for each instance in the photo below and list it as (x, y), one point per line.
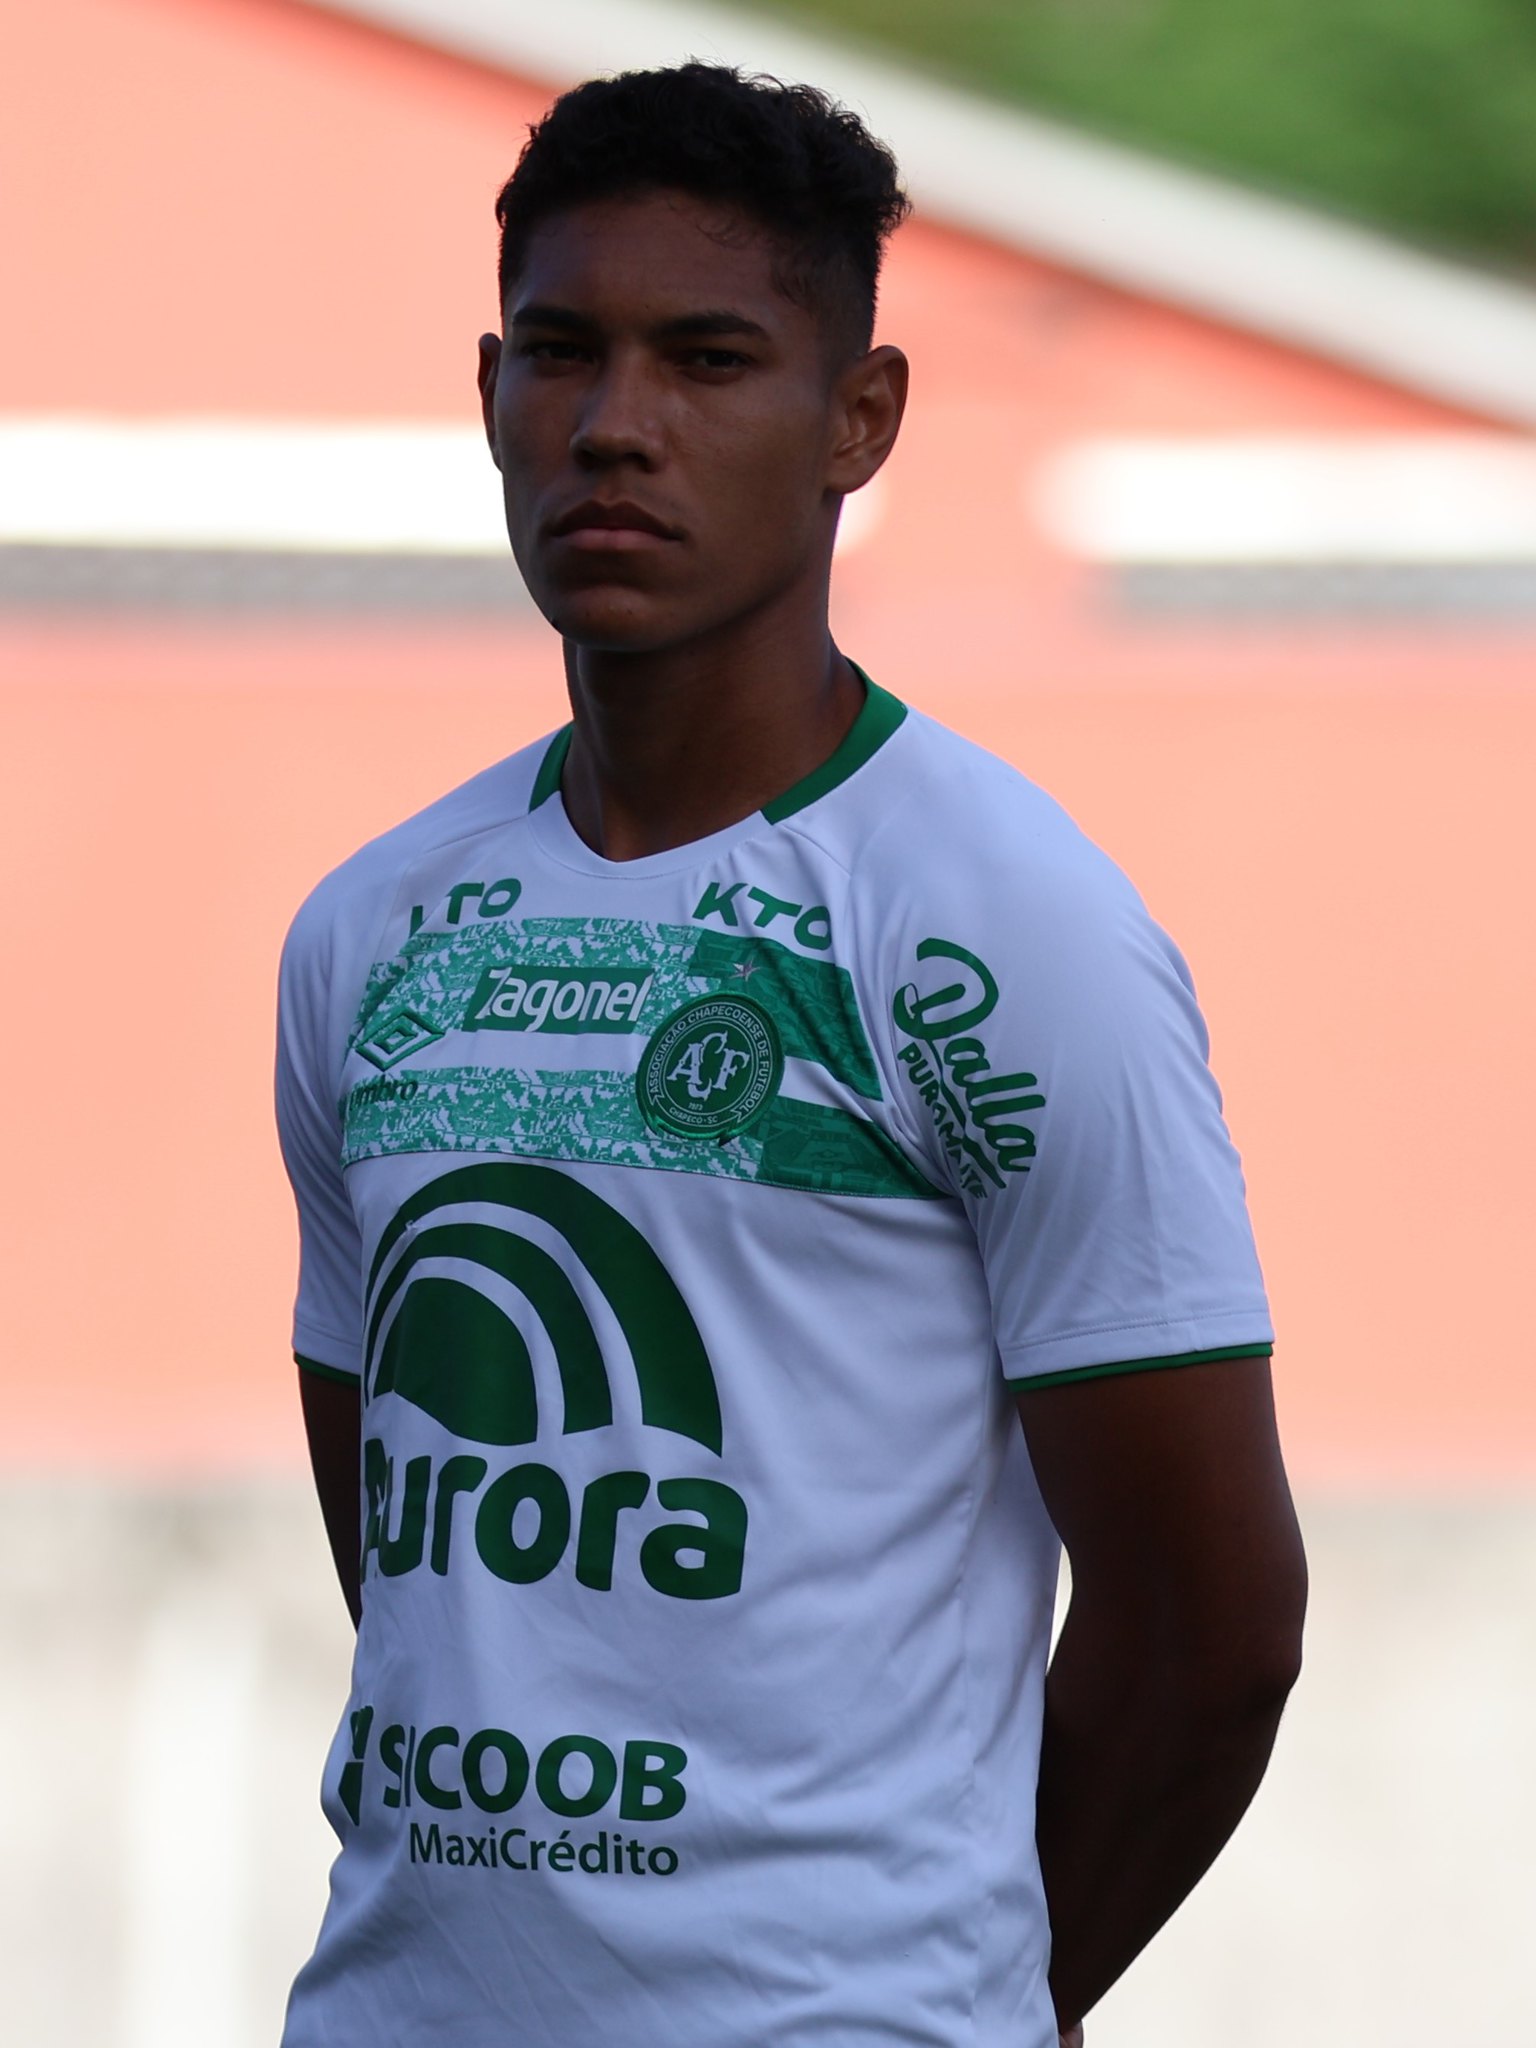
(1052, 1059)
(327, 1326)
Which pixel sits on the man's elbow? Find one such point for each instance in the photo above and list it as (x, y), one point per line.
(1264, 1676)
(1225, 1643)
(1249, 1652)
(1216, 1632)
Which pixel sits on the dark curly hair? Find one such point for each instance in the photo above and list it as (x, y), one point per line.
(787, 155)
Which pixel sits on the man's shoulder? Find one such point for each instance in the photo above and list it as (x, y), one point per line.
(949, 818)
(358, 894)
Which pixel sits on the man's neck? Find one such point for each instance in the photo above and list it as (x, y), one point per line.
(670, 747)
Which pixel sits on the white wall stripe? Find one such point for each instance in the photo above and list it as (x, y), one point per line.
(344, 488)
(226, 483)
(1444, 498)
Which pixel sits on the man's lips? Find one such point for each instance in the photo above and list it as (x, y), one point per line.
(619, 525)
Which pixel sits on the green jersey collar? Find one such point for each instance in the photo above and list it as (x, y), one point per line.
(881, 715)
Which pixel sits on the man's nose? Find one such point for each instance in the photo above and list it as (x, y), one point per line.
(619, 421)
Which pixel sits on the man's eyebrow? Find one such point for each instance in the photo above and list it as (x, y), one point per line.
(712, 321)
(550, 316)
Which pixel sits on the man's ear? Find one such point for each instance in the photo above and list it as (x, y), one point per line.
(870, 397)
(485, 376)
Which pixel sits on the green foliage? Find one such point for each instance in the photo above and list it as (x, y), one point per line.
(1417, 114)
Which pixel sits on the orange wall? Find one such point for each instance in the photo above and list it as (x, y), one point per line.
(1349, 875)
(249, 207)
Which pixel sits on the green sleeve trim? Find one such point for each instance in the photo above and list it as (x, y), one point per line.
(881, 715)
(547, 781)
(327, 1372)
(1109, 1372)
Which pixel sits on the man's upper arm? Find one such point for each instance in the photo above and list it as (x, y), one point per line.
(1169, 1494)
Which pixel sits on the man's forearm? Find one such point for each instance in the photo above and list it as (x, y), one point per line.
(1151, 1751)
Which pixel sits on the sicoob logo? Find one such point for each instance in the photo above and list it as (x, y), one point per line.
(441, 1340)
(711, 1070)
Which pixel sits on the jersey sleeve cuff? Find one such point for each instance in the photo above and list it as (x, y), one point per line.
(1147, 1336)
(1125, 1365)
(322, 1371)
(326, 1352)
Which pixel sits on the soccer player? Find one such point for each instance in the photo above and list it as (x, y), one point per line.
(761, 1191)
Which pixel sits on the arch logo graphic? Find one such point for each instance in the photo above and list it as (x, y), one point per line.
(452, 1352)
(442, 1343)
(711, 1070)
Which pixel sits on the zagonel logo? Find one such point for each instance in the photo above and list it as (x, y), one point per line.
(517, 997)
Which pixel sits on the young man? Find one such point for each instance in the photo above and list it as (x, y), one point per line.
(713, 1129)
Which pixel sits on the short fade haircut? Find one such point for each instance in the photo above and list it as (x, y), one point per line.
(789, 157)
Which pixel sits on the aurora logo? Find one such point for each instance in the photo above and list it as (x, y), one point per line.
(455, 1354)
(452, 1352)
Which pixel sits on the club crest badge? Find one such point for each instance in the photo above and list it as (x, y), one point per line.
(711, 1070)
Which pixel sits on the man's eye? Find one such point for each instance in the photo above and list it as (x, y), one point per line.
(550, 351)
(716, 359)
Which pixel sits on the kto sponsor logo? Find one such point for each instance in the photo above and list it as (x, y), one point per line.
(491, 899)
(974, 1109)
(738, 904)
(516, 996)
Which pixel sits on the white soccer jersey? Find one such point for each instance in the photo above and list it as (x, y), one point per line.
(688, 1222)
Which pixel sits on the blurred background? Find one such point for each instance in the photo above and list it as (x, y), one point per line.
(1215, 513)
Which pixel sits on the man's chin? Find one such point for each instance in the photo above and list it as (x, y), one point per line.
(613, 622)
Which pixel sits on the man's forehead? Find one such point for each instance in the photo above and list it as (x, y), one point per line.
(669, 253)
